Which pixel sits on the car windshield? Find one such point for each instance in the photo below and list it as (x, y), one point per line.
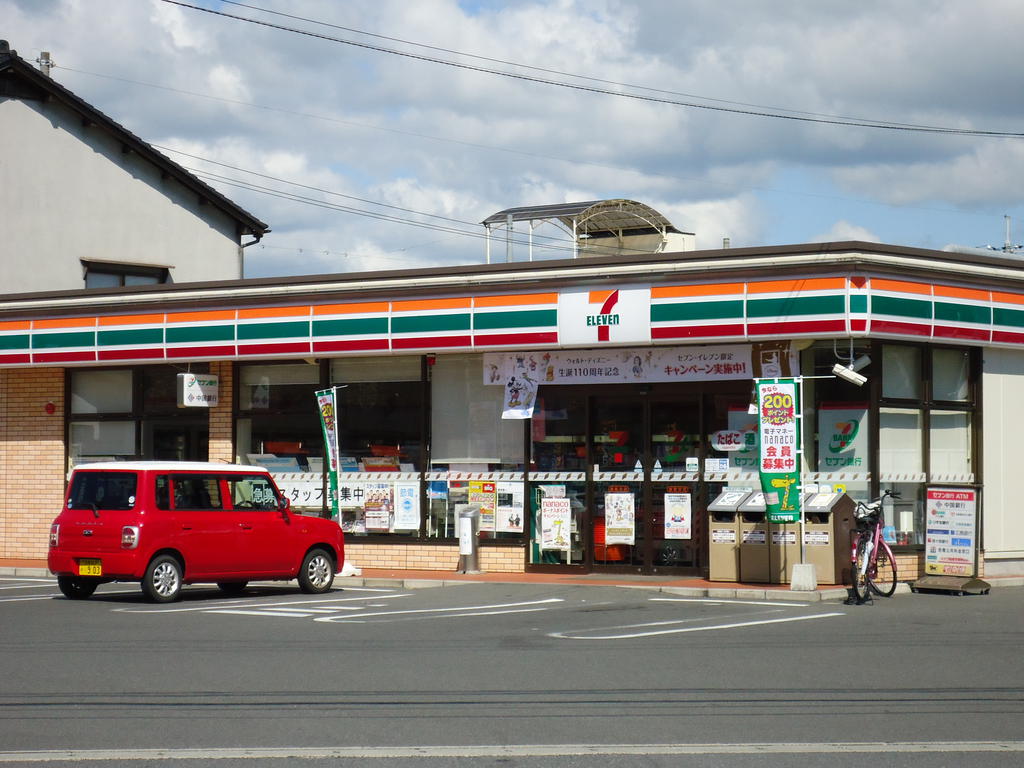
(102, 490)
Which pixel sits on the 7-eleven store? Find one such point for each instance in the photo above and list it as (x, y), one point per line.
(644, 366)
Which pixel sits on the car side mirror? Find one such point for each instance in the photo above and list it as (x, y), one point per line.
(284, 505)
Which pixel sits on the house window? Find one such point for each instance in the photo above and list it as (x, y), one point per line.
(100, 274)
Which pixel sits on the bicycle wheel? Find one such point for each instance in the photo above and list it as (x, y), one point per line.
(882, 574)
(861, 589)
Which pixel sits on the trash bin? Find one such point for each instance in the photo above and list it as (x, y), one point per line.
(754, 567)
(783, 551)
(828, 523)
(723, 534)
(469, 537)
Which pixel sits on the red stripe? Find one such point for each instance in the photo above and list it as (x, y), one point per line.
(905, 329)
(63, 357)
(431, 342)
(224, 350)
(697, 331)
(344, 346)
(858, 325)
(280, 348)
(604, 331)
(953, 332)
(1005, 337)
(19, 358)
(131, 354)
(805, 326)
(497, 339)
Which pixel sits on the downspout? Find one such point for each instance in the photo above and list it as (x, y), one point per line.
(241, 255)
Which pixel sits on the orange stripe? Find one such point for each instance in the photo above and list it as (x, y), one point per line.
(600, 297)
(518, 300)
(132, 320)
(961, 293)
(1007, 298)
(248, 314)
(419, 305)
(794, 286)
(350, 309)
(16, 325)
(69, 322)
(880, 284)
(711, 289)
(198, 317)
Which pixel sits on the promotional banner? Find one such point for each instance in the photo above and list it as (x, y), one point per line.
(327, 400)
(950, 531)
(779, 433)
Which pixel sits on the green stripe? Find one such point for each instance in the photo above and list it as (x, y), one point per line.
(54, 340)
(963, 313)
(532, 318)
(133, 336)
(1011, 317)
(200, 333)
(428, 323)
(291, 330)
(20, 341)
(797, 305)
(890, 305)
(697, 310)
(351, 326)
(859, 303)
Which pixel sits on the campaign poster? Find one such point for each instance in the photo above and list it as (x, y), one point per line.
(483, 493)
(678, 516)
(377, 506)
(555, 523)
(508, 517)
(619, 518)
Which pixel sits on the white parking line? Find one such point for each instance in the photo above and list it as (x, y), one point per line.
(679, 630)
(444, 612)
(248, 603)
(716, 601)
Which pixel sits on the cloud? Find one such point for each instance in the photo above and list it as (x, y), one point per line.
(844, 230)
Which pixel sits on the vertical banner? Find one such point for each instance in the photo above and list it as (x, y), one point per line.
(951, 518)
(327, 404)
(779, 432)
(520, 389)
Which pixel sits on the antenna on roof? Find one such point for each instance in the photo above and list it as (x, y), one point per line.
(45, 62)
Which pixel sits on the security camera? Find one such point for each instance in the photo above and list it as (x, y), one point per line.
(848, 374)
(861, 362)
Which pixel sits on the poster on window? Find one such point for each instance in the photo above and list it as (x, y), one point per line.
(377, 505)
(520, 389)
(407, 507)
(950, 531)
(678, 516)
(619, 518)
(743, 425)
(483, 494)
(508, 515)
(843, 437)
(779, 442)
(555, 524)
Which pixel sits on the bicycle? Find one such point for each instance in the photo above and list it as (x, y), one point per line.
(874, 567)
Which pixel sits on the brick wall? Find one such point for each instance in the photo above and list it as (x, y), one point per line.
(32, 467)
(431, 557)
(221, 433)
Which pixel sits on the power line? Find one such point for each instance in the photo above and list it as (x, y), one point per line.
(880, 125)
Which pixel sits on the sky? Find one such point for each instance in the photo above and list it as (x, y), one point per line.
(378, 134)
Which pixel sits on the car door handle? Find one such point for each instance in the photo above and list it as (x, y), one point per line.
(186, 527)
(245, 526)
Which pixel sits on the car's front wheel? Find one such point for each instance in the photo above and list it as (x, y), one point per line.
(162, 582)
(76, 588)
(317, 573)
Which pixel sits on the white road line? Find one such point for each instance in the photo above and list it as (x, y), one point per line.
(282, 614)
(247, 601)
(512, 750)
(679, 630)
(27, 578)
(716, 601)
(459, 610)
(52, 595)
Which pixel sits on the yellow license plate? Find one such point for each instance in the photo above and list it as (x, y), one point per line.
(90, 567)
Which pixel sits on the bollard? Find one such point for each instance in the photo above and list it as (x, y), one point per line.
(469, 538)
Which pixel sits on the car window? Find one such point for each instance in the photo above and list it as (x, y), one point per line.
(163, 492)
(252, 492)
(102, 490)
(196, 492)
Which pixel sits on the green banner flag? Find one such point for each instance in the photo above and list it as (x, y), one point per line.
(327, 405)
(779, 430)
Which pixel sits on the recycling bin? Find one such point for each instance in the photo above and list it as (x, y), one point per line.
(753, 527)
(783, 551)
(723, 534)
(828, 524)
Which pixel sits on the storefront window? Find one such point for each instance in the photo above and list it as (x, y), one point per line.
(901, 372)
(899, 438)
(101, 391)
(558, 431)
(951, 374)
(99, 440)
(106, 394)
(279, 427)
(949, 440)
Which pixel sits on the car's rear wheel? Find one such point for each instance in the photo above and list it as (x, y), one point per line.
(232, 587)
(162, 582)
(76, 588)
(317, 573)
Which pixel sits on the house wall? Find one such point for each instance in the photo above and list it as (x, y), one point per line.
(69, 192)
(1002, 426)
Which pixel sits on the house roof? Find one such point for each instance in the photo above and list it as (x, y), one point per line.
(20, 80)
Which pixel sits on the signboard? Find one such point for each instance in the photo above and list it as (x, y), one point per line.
(617, 316)
(326, 402)
(678, 516)
(777, 407)
(555, 523)
(843, 437)
(198, 390)
(950, 531)
(619, 518)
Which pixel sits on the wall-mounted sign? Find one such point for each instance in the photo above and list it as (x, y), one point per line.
(198, 390)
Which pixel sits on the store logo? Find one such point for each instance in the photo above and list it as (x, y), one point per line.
(843, 436)
(605, 318)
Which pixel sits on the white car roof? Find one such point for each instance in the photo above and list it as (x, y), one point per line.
(170, 466)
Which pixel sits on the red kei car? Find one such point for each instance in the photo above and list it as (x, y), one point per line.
(166, 524)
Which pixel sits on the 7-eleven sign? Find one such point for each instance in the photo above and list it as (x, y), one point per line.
(615, 315)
